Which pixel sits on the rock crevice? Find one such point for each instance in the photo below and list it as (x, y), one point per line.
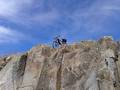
(88, 65)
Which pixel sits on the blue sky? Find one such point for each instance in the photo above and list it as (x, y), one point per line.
(26, 23)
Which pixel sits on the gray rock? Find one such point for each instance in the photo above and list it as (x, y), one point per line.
(88, 65)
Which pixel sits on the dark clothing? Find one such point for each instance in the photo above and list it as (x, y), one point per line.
(59, 41)
(64, 41)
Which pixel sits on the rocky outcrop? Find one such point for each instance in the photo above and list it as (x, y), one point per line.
(4, 61)
(88, 65)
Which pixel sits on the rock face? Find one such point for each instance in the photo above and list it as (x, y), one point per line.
(88, 65)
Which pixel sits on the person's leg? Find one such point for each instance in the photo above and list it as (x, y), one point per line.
(59, 42)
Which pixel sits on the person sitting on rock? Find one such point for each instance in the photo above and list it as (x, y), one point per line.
(59, 42)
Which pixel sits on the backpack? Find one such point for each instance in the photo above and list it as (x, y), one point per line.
(64, 41)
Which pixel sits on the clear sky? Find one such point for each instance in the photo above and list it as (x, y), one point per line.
(26, 23)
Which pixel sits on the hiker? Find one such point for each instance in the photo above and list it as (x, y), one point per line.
(59, 42)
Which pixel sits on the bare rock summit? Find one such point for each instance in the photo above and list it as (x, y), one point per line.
(88, 65)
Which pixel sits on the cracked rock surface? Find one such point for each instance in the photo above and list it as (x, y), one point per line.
(88, 65)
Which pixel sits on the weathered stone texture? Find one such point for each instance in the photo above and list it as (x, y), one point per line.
(88, 65)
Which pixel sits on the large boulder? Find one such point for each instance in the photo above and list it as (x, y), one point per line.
(88, 65)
